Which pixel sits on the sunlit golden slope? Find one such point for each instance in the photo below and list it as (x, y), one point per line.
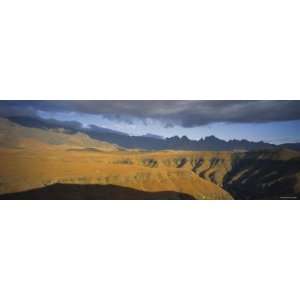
(14, 135)
(26, 169)
(35, 158)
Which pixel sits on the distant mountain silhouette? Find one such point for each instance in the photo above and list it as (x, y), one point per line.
(105, 130)
(151, 141)
(69, 126)
(292, 146)
(155, 136)
(93, 192)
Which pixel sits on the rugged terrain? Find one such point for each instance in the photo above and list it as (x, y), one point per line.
(54, 164)
(25, 169)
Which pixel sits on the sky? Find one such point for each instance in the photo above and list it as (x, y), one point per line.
(269, 121)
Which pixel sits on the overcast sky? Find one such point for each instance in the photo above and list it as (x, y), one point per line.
(271, 121)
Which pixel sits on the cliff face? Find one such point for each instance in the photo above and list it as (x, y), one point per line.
(267, 174)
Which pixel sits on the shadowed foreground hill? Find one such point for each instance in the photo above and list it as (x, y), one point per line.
(93, 192)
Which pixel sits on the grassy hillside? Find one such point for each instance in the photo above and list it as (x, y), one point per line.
(27, 169)
(17, 136)
(35, 158)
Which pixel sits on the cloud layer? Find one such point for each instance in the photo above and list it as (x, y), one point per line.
(183, 113)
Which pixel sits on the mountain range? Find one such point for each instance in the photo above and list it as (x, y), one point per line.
(44, 161)
(149, 141)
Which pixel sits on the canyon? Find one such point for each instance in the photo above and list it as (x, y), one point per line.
(54, 164)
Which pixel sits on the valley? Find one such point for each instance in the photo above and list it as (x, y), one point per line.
(202, 175)
(24, 170)
(55, 164)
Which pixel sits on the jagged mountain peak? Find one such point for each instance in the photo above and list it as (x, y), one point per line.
(152, 141)
(212, 138)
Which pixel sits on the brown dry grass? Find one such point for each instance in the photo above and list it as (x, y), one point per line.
(38, 165)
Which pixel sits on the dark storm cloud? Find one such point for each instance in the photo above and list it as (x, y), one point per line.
(184, 113)
(16, 108)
